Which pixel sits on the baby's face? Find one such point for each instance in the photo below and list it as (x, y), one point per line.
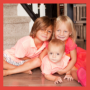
(55, 54)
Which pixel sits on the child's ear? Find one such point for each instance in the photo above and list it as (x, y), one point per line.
(70, 33)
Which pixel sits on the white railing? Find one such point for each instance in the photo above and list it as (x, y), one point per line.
(22, 12)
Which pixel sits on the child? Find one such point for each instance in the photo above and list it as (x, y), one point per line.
(65, 31)
(28, 47)
(55, 60)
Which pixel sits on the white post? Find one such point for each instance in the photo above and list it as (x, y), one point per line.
(21, 11)
(42, 10)
(35, 8)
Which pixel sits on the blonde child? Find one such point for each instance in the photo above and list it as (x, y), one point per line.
(24, 56)
(64, 30)
(55, 60)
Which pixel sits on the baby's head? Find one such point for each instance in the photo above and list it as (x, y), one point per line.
(41, 24)
(56, 49)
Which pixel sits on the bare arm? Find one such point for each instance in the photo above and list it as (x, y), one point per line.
(43, 53)
(24, 58)
(71, 63)
(50, 77)
(73, 60)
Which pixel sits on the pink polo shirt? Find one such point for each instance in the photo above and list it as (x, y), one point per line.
(24, 47)
(49, 67)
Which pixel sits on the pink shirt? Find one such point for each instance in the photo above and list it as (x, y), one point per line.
(81, 53)
(49, 67)
(70, 45)
(25, 47)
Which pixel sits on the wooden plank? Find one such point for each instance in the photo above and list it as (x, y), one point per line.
(78, 23)
(81, 27)
(65, 9)
(80, 12)
(80, 4)
(58, 10)
(84, 13)
(81, 22)
(84, 32)
(79, 39)
(79, 31)
(77, 13)
(74, 14)
(83, 18)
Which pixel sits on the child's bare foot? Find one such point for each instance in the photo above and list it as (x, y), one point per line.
(28, 72)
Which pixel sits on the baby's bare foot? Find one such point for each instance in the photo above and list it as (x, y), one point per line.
(28, 72)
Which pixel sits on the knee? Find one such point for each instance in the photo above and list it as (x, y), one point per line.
(73, 72)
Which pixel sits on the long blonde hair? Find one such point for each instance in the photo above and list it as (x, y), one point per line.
(69, 23)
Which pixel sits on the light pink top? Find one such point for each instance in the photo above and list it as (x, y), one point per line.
(24, 47)
(49, 67)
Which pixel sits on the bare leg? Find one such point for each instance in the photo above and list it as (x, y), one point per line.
(74, 73)
(8, 66)
(29, 65)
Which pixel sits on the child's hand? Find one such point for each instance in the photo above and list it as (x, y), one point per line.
(68, 77)
(58, 80)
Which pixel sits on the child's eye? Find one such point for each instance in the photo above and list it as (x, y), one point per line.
(51, 53)
(42, 29)
(65, 31)
(57, 53)
(49, 31)
(58, 30)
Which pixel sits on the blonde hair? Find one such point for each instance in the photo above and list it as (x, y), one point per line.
(57, 43)
(41, 23)
(69, 23)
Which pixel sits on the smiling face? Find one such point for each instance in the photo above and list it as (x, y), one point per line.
(44, 34)
(62, 31)
(55, 53)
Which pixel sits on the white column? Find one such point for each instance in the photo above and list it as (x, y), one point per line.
(21, 11)
(35, 8)
(42, 10)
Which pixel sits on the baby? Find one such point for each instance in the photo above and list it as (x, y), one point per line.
(55, 61)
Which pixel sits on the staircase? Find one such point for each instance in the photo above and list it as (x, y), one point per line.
(14, 27)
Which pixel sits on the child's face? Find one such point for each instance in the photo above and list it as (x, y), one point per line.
(55, 54)
(44, 35)
(62, 32)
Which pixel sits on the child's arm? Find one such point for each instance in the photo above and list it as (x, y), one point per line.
(71, 63)
(43, 53)
(56, 79)
(24, 58)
